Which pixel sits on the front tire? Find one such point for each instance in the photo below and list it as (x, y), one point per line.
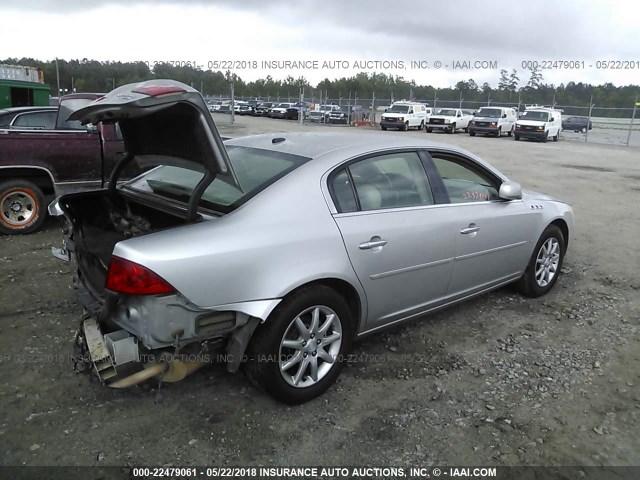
(429, 130)
(545, 263)
(516, 138)
(383, 128)
(472, 134)
(453, 128)
(499, 132)
(22, 207)
(297, 354)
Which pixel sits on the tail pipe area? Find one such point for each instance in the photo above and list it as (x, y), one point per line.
(107, 352)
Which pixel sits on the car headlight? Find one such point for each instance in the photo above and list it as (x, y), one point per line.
(540, 129)
(472, 122)
(494, 124)
(401, 119)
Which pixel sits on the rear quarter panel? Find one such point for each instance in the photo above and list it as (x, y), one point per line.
(281, 239)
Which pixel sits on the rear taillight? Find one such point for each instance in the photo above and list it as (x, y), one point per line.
(158, 90)
(125, 276)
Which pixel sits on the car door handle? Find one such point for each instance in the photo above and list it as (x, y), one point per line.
(472, 228)
(372, 244)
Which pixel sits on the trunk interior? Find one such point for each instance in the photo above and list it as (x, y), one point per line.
(99, 223)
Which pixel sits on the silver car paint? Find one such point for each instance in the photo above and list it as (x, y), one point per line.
(290, 234)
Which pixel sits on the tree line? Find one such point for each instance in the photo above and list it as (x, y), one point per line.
(94, 76)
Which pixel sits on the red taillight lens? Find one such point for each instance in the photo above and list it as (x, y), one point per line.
(157, 90)
(125, 276)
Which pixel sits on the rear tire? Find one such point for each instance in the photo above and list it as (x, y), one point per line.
(22, 207)
(556, 136)
(545, 263)
(510, 132)
(421, 126)
(289, 332)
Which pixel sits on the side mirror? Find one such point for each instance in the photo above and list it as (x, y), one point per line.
(510, 191)
(504, 115)
(385, 110)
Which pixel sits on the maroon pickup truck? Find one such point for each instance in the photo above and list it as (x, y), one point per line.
(37, 164)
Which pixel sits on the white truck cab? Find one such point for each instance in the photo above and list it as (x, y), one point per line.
(449, 120)
(539, 122)
(493, 121)
(404, 115)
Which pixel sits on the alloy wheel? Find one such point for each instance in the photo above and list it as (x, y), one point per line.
(310, 346)
(547, 262)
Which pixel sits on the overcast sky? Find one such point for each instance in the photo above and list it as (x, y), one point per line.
(507, 32)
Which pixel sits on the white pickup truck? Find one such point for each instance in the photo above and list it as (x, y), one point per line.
(449, 120)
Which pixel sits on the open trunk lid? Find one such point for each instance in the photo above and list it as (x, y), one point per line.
(163, 122)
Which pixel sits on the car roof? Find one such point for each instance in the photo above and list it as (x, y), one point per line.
(27, 109)
(316, 144)
(331, 149)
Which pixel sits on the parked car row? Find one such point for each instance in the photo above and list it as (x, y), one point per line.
(290, 110)
(536, 122)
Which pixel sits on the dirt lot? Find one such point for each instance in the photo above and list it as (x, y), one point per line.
(500, 380)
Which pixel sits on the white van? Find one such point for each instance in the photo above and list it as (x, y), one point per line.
(404, 115)
(540, 123)
(493, 121)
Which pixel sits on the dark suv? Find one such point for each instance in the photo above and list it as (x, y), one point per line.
(577, 124)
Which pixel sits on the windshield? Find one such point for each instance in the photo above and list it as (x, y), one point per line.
(490, 113)
(284, 105)
(398, 109)
(255, 169)
(449, 112)
(533, 115)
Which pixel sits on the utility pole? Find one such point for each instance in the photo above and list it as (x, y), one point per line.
(58, 76)
(301, 109)
(233, 105)
(591, 105)
(633, 117)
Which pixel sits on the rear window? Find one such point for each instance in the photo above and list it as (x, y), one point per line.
(255, 170)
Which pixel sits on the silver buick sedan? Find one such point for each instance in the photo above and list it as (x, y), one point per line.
(271, 253)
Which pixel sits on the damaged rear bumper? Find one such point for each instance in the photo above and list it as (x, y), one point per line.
(119, 360)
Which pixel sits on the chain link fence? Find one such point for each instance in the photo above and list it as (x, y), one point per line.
(607, 125)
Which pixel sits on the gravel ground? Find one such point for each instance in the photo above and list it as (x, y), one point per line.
(499, 380)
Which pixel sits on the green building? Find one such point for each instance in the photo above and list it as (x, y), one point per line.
(16, 93)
